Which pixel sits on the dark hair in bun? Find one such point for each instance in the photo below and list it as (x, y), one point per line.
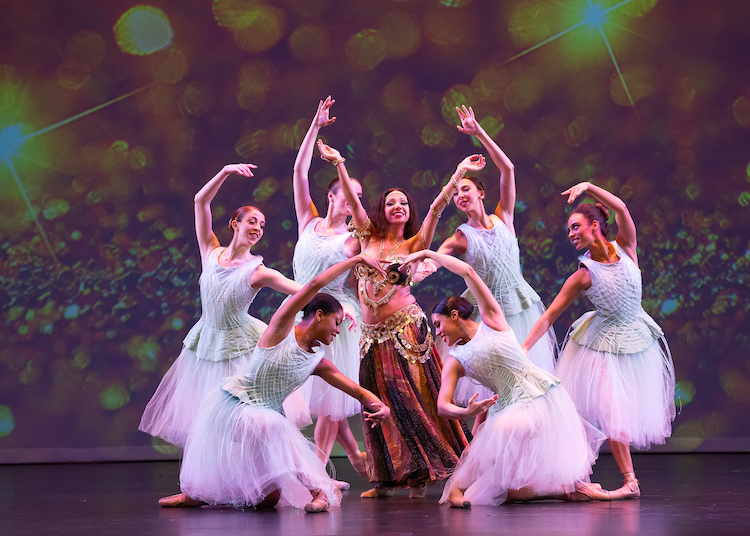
(454, 303)
(323, 302)
(593, 213)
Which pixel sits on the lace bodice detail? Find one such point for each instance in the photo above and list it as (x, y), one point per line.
(494, 255)
(496, 360)
(314, 254)
(224, 330)
(619, 324)
(273, 373)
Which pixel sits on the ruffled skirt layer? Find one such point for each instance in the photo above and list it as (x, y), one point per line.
(630, 397)
(237, 454)
(172, 410)
(541, 445)
(542, 354)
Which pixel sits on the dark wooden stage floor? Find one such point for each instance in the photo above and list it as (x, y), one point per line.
(682, 494)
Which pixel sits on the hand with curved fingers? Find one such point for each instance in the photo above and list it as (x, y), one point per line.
(322, 118)
(424, 269)
(349, 313)
(240, 169)
(476, 408)
(417, 256)
(574, 192)
(328, 153)
(371, 262)
(474, 162)
(375, 417)
(469, 124)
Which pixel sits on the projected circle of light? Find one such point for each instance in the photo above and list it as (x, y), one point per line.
(143, 30)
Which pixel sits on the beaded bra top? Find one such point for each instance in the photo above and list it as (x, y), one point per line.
(394, 275)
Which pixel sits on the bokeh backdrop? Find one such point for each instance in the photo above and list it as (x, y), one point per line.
(113, 114)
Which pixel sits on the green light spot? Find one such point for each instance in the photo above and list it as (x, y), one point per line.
(744, 199)
(684, 392)
(6, 421)
(114, 397)
(75, 235)
(81, 360)
(71, 312)
(693, 191)
(23, 330)
(286, 225)
(669, 306)
(29, 315)
(177, 324)
(143, 30)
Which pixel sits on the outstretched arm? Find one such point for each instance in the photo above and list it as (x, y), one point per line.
(378, 410)
(452, 371)
(268, 277)
(575, 284)
(492, 315)
(303, 203)
(207, 240)
(423, 238)
(626, 234)
(283, 319)
(507, 203)
(329, 154)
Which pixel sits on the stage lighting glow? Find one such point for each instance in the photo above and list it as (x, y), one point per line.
(11, 140)
(143, 30)
(594, 15)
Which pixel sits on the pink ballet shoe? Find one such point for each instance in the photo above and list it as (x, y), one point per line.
(180, 500)
(456, 499)
(318, 504)
(341, 485)
(592, 491)
(359, 462)
(630, 490)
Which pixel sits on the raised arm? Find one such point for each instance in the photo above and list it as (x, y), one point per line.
(507, 203)
(626, 234)
(268, 277)
(303, 203)
(575, 284)
(329, 154)
(423, 238)
(207, 240)
(283, 319)
(492, 315)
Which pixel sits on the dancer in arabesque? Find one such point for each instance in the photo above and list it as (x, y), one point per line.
(615, 362)
(242, 451)
(221, 342)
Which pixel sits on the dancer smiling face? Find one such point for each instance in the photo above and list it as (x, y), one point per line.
(248, 224)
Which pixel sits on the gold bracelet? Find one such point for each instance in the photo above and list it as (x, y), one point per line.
(339, 161)
(461, 172)
(436, 212)
(455, 183)
(445, 196)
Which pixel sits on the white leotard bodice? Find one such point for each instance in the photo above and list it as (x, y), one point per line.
(225, 330)
(495, 257)
(315, 253)
(273, 373)
(619, 324)
(496, 360)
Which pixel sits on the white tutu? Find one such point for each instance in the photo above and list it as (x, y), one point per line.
(542, 354)
(237, 454)
(171, 411)
(542, 444)
(322, 398)
(630, 397)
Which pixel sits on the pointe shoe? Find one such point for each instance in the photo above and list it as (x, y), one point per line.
(359, 462)
(376, 493)
(593, 492)
(180, 500)
(630, 490)
(341, 485)
(418, 492)
(456, 500)
(318, 504)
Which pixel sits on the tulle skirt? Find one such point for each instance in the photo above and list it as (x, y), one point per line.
(237, 454)
(630, 397)
(322, 398)
(542, 354)
(542, 444)
(173, 408)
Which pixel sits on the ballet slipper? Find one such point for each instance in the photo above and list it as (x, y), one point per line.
(180, 500)
(456, 499)
(376, 493)
(341, 485)
(318, 504)
(630, 490)
(358, 461)
(418, 492)
(592, 492)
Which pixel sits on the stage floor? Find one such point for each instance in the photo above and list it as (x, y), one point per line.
(681, 494)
